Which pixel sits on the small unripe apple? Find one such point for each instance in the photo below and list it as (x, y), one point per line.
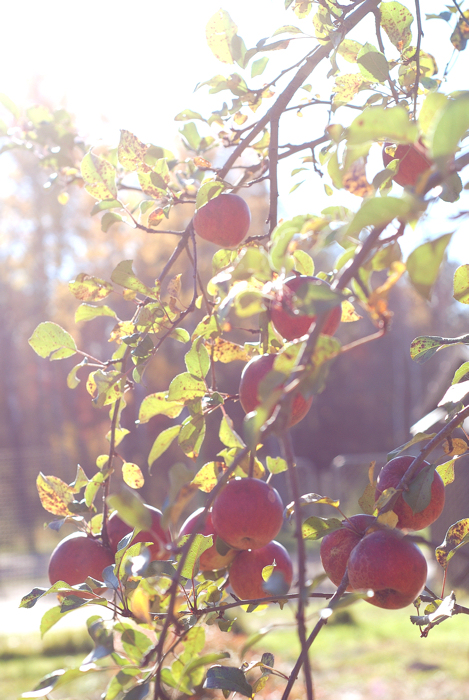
(254, 372)
(224, 220)
(117, 529)
(391, 474)
(78, 556)
(390, 565)
(246, 571)
(337, 545)
(210, 560)
(414, 160)
(291, 325)
(247, 513)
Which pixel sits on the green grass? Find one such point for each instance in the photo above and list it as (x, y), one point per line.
(364, 653)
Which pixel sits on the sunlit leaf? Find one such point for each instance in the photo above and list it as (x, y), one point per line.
(52, 341)
(99, 177)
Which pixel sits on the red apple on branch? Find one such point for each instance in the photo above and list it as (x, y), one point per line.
(292, 325)
(390, 565)
(414, 160)
(161, 538)
(337, 545)
(253, 373)
(78, 556)
(224, 220)
(246, 571)
(390, 476)
(247, 513)
(210, 560)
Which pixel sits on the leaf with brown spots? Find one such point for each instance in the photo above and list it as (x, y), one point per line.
(354, 180)
(132, 475)
(99, 176)
(395, 21)
(88, 288)
(461, 33)
(156, 217)
(55, 494)
(207, 477)
(131, 152)
(457, 536)
(219, 32)
(225, 351)
(454, 446)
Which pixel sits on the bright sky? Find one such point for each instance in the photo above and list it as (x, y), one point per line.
(135, 65)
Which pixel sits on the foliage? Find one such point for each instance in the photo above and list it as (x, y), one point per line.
(156, 638)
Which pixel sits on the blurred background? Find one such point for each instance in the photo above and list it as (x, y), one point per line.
(374, 395)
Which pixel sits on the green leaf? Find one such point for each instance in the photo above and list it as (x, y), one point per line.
(349, 50)
(109, 387)
(124, 275)
(99, 177)
(131, 509)
(373, 64)
(192, 435)
(414, 441)
(220, 31)
(419, 493)
(185, 387)
(259, 66)
(395, 21)
(197, 359)
(228, 436)
(86, 312)
(228, 678)
(457, 536)
(424, 262)
(314, 528)
(281, 237)
(451, 123)
(276, 465)
(424, 347)
(461, 284)
(9, 105)
(108, 219)
(162, 442)
(382, 124)
(88, 288)
(187, 114)
(304, 263)
(378, 211)
(200, 544)
(50, 618)
(461, 373)
(158, 404)
(209, 190)
(52, 341)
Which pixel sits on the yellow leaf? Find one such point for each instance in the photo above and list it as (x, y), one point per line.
(456, 446)
(55, 494)
(390, 518)
(348, 313)
(132, 475)
(367, 500)
(141, 605)
(225, 351)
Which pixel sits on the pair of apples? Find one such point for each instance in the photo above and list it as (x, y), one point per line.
(225, 220)
(378, 558)
(246, 515)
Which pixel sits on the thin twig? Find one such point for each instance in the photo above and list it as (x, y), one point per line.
(417, 55)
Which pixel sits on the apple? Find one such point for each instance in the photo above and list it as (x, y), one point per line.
(224, 220)
(337, 545)
(282, 311)
(390, 565)
(247, 513)
(245, 573)
(117, 529)
(391, 474)
(78, 556)
(254, 372)
(210, 560)
(414, 160)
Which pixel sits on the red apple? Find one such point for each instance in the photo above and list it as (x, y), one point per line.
(391, 474)
(247, 513)
(224, 220)
(337, 545)
(246, 570)
(390, 565)
(282, 310)
(78, 556)
(117, 529)
(414, 160)
(210, 560)
(253, 373)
